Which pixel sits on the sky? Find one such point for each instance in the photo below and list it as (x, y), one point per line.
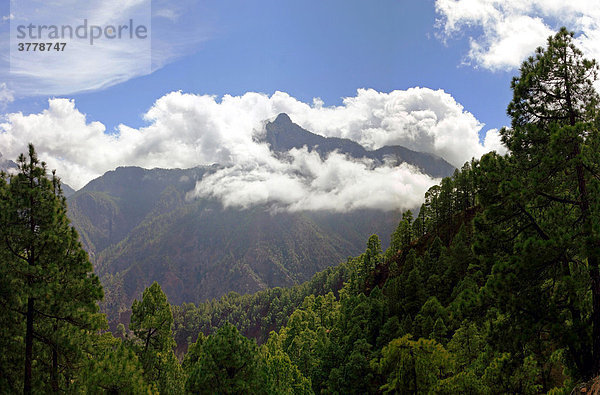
(432, 75)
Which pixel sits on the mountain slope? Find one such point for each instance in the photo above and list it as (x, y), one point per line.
(67, 190)
(109, 207)
(6, 164)
(139, 226)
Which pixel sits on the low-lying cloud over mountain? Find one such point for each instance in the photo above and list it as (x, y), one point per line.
(307, 182)
(186, 130)
(312, 172)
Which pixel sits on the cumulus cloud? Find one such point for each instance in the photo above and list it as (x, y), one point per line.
(421, 119)
(186, 130)
(502, 33)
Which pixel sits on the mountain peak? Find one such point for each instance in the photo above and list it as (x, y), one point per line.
(282, 135)
(6, 164)
(283, 119)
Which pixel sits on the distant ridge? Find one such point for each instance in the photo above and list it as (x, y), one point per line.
(6, 164)
(282, 135)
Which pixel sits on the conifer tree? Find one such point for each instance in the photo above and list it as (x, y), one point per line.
(151, 322)
(114, 368)
(49, 275)
(280, 374)
(372, 254)
(228, 363)
(413, 367)
(403, 234)
(540, 227)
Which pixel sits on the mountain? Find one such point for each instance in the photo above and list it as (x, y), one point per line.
(6, 164)
(282, 135)
(67, 190)
(139, 226)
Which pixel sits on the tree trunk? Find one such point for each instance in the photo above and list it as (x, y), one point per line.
(592, 257)
(28, 347)
(54, 371)
(595, 275)
(30, 300)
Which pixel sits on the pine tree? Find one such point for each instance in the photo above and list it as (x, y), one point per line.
(280, 374)
(413, 367)
(228, 363)
(420, 224)
(13, 325)
(151, 322)
(467, 344)
(114, 368)
(403, 235)
(433, 211)
(414, 293)
(542, 204)
(458, 259)
(372, 255)
(49, 275)
(439, 332)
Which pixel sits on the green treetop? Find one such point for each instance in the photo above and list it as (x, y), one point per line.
(151, 322)
(49, 279)
(540, 226)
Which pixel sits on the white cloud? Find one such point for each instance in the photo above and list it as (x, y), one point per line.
(307, 182)
(493, 142)
(186, 130)
(6, 95)
(515, 39)
(418, 118)
(502, 33)
(167, 13)
(80, 66)
(83, 67)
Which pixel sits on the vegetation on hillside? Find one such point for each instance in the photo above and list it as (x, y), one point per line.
(138, 226)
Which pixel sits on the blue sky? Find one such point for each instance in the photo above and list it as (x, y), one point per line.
(431, 75)
(307, 49)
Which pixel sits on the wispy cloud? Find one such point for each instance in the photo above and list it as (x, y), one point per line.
(167, 13)
(84, 67)
(6, 95)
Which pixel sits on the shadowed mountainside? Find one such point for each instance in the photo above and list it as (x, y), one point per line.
(139, 226)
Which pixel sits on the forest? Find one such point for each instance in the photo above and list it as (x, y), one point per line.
(492, 287)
